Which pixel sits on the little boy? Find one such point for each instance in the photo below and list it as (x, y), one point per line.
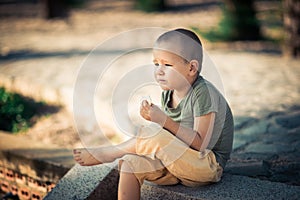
(195, 139)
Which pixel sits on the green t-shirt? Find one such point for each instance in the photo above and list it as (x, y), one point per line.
(204, 98)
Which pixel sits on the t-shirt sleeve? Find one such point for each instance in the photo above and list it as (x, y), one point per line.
(205, 100)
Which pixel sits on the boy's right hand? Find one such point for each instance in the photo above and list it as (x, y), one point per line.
(145, 110)
(152, 113)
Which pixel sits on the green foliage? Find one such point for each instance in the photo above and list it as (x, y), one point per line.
(238, 22)
(211, 35)
(150, 5)
(16, 112)
(75, 3)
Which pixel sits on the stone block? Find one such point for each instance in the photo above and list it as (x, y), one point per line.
(260, 147)
(250, 134)
(242, 122)
(276, 129)
(256, 129)
(250, 168)
(239, 143)
(81, 182)
(289, 121)
(230, 187)
(100, 182)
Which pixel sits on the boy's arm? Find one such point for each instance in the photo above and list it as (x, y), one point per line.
(197, 138)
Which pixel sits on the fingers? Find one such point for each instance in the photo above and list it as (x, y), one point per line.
(145, 104)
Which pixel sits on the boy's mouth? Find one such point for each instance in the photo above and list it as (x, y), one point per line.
(161, 81)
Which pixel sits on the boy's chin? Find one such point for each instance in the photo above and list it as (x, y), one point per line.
(164, 88)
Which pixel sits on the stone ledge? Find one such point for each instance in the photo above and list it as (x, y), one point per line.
(100, 182)
(94, 182)
(231, 187)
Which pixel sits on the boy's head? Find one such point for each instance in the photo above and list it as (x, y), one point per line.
(183, 43)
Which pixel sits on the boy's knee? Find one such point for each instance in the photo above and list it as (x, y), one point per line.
(154, 143)
(126, 163)
(154, 136)
(139, 164)
(125, 167)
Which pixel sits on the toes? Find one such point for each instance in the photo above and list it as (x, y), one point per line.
(81, 163)
(76, 156)
(76, 151)
(78, 159)
(84, 157)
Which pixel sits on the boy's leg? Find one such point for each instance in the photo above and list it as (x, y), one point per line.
(129, 186)
(145, 168)
(177, 157)
(134, 169)
(88, 157)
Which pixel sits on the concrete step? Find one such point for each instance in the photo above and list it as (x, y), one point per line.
(93, 182)
(101, 182)
(230, 187)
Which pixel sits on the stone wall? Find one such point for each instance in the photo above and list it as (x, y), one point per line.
(28, 178)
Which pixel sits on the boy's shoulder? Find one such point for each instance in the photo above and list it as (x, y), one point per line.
(201, 83)
(202, 86)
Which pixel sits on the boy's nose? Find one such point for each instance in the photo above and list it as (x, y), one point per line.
(160, 69)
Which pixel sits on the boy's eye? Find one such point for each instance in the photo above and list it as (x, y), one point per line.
(167, 65)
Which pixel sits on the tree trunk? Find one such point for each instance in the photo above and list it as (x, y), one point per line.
(56, 9)
(239, 20)
(291, 20)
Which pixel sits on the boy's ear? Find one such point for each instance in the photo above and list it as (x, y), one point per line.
(194, 67)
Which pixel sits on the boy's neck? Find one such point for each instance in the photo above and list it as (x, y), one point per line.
(180, 94)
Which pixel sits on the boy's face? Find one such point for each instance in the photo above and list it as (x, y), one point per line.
(171, 70)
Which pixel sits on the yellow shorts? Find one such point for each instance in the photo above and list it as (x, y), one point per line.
(165, 160)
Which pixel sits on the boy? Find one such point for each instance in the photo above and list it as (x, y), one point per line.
(195, 139)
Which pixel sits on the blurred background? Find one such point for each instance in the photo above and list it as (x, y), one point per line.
(270, 20)
(255, 45)
(43, 43)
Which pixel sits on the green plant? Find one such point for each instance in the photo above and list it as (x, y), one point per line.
(150, 5)
(16, 112)
(75, 3)
(238, 22)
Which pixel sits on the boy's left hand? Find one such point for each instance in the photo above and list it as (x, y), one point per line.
(152, 113)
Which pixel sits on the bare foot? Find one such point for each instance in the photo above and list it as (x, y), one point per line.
(85, 158)
(89, 157)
